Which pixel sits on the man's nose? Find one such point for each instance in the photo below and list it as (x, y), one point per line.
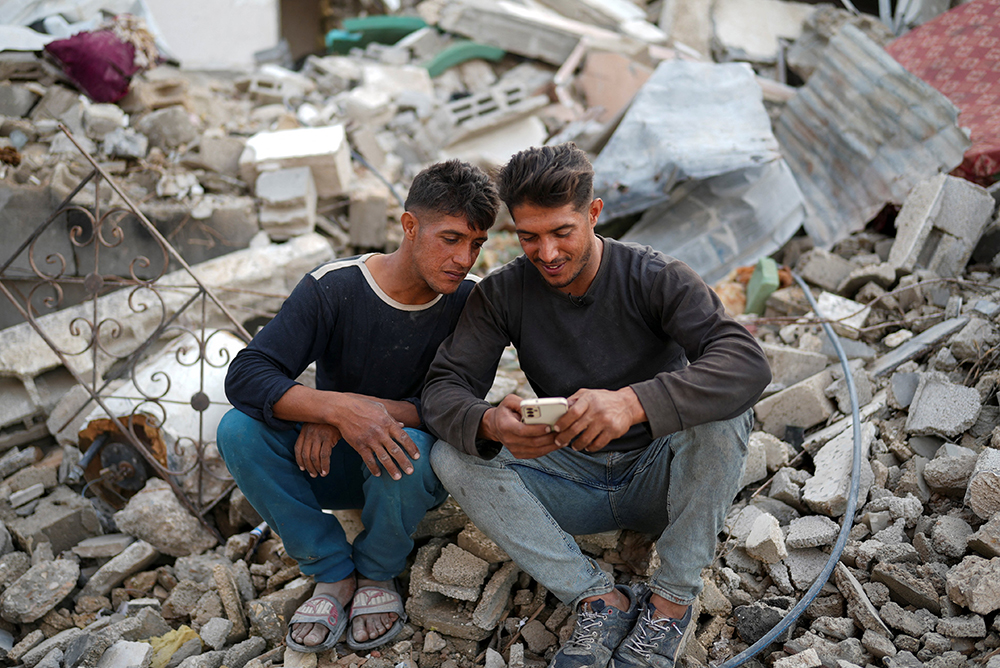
(465, 256)
(547, 250)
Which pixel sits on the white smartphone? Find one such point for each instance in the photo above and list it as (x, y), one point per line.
(543, 411)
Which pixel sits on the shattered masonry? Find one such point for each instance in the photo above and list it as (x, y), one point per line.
(255, 178)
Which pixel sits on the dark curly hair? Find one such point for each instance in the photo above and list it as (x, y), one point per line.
(548, 176)
(455, 188)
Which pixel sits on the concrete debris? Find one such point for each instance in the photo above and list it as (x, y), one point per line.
(157, 517)
(259, 177)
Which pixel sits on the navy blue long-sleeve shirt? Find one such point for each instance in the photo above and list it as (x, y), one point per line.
(361, 339)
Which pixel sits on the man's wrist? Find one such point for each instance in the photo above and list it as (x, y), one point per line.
(485, 431)
(637, 414)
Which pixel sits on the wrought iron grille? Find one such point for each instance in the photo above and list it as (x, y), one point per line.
(105, 347)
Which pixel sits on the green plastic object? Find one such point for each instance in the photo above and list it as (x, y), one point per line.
(460, 52)
(763, 282)
(360, 32)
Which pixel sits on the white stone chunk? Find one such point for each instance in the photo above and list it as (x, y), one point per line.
(827, 491)
(766, 542)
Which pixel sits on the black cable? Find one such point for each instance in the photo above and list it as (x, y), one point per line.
(852, 502)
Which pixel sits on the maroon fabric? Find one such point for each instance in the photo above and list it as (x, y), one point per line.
(99, 63)
(959, 54)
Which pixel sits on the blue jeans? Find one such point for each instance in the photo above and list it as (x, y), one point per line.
(262, 460)
(680, 488)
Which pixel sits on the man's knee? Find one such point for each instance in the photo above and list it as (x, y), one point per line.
(240, 437)
(727, 437)
(446, 462)
(234, 429)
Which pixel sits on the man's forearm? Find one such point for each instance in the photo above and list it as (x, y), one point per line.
(304, 404)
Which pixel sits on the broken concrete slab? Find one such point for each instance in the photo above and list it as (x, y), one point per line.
(790, 365)
(942, 407)
(986, 541)
(811, 531)
(822, 268)
(168, 128)
(493, 602)
(975, 584)
(907, 587)
(527, 31)
(156, 516)
(134, 558)
(828, 490)
(39, 590)
(753, 31)
(766, 542)
(983, 494)
(917, 346)
(804, 404)
(62, 519)
(126, 653)
(455, 566)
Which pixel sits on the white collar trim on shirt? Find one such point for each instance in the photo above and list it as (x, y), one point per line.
(360, 263)
(386, 298)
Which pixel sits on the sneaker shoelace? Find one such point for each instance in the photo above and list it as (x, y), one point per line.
(650, 632)
(587, 624)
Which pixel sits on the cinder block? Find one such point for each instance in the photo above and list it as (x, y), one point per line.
(288, 202)
(802, 405)
(324, 150)
(474, 115)
(940, 224)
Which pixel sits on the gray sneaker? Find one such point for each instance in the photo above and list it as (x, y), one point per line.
(599, 628)
(654, 643)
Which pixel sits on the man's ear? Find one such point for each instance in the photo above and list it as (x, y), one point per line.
(410, 225)
(596, 206)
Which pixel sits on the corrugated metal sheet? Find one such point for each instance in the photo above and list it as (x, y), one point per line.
(695, 153)
(862, 133)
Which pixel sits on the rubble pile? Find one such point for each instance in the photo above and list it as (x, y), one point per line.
(213, 161)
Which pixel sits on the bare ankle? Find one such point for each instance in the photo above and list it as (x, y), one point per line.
(666, 608)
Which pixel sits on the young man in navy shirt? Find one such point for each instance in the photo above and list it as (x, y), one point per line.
(372, 325)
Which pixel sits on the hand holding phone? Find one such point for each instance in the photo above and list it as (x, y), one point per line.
(543, 411)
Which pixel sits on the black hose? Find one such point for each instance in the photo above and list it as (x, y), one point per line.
(852, 502)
